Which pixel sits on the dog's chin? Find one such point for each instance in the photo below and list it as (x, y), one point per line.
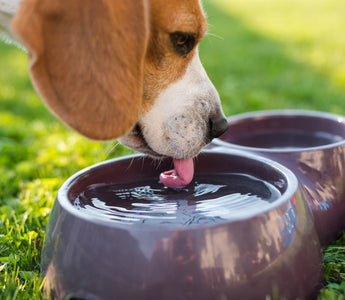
(136, 140)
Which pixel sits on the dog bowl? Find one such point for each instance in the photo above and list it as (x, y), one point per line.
(312, 145)
(240, 230)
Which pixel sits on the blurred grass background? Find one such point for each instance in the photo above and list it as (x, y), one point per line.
(260, 54)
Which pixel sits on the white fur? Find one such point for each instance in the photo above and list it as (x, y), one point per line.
(178, 123)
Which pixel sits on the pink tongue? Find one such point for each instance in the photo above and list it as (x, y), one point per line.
(181, 175)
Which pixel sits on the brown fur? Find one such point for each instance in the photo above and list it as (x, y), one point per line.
(99, 64)
(162, 64)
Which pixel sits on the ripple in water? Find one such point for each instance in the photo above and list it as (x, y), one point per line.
(206, 200)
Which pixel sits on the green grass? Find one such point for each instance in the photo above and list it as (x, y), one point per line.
(260, 54)
(37, 153)
(276, 54)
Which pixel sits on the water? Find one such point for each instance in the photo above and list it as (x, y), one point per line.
(208, 199)
(287, 139)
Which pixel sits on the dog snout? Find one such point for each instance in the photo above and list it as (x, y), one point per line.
(218, 127)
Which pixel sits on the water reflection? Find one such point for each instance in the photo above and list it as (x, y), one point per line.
(223, 197)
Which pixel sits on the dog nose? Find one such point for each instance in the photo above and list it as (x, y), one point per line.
(218, 127)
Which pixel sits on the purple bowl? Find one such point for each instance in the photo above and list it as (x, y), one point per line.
(312, 145)
(249, 250)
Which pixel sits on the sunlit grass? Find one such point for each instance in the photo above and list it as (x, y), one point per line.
(276, 54)
(260, 54)
(310, 30)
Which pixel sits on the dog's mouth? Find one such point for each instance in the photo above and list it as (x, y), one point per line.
(144, 147)
(183, 171)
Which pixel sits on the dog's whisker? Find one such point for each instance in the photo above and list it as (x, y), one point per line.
(112, 149)
(179, 102)
(214, 35)
(130, 164)
(159, 162)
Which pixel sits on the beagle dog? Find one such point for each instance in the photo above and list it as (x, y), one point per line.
(126, 70)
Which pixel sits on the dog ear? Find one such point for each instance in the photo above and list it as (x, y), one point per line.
(86, 60)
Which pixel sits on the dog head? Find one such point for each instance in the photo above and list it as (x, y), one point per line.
(129, 70)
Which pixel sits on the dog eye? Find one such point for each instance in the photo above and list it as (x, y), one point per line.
(183, 42)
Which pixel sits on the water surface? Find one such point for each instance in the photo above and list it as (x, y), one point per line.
(286, 139)
(208, 199)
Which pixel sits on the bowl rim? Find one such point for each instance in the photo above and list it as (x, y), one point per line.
(62, 194)
(260, 114)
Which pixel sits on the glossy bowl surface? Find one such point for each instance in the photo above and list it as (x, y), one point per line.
(258, 254)
(312, 145)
